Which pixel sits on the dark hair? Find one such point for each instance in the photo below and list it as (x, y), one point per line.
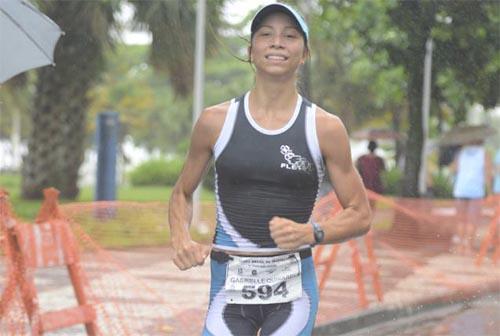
(372, 145)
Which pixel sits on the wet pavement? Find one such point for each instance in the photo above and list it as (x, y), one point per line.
(476, 318)
(165, 301)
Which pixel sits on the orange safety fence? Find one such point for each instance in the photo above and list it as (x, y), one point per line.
(413, 252)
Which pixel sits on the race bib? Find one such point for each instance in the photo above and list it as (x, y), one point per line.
(263, 280)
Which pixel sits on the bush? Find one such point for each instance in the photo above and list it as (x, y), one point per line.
(157, 172)
(442, 187)
(391, 179)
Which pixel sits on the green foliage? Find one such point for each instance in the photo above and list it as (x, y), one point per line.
(442, 186)
(391, 179)
(171, 24)
(149, 110)
(157, 172)
(363, 53)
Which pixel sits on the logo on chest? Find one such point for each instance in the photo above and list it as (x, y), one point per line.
(294, 161)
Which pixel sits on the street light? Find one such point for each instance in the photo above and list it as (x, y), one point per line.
(199, 59)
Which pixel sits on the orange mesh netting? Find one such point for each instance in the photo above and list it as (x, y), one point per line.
(418, 249)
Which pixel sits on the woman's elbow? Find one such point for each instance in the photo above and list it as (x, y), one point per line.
(365, 221)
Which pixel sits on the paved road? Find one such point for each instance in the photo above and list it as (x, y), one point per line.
(146, 292)
(477, 318)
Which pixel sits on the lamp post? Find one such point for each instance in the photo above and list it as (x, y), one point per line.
(199, 59)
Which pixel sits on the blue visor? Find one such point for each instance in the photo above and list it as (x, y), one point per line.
(279, 7)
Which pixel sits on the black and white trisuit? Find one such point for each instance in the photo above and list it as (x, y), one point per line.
(260, 174)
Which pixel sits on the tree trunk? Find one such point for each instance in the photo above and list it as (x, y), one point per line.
(397, 112)
(415, 132)
(57, 140)
(55, 145)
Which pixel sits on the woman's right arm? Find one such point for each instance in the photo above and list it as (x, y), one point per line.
(188, 253)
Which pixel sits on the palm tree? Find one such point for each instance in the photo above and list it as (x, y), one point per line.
(172, 24)
(56, 142)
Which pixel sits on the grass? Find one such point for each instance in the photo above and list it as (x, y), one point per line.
(27, 209)
(137, 225)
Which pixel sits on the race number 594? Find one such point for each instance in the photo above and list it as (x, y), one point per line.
(264, 292)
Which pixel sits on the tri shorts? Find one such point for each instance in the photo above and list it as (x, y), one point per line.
(281, 319)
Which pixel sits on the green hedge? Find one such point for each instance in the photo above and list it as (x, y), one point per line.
(442, 186)
(157, 172)
(391, 179)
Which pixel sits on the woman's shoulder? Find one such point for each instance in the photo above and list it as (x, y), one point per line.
(212, 119)
(214, 115)
(327, 122)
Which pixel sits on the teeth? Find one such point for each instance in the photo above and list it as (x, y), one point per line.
(276, 58)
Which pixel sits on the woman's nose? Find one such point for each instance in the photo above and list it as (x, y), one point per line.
(277, 41)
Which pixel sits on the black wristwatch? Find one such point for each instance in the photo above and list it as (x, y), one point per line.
(319, 234)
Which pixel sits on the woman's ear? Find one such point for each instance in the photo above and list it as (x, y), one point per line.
(249, 51)
(306, 55)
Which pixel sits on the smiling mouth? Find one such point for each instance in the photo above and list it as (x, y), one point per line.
(276, 58)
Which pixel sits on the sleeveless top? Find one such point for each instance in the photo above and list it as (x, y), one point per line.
(470, 179)
(262, 173)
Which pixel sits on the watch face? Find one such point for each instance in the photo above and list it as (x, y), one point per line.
(319, 234)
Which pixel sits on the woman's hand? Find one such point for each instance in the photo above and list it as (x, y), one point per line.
(290, 235)
(190, 254)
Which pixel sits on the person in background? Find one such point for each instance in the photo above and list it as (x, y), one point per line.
(472, 170)
(271, 148)
(496, 188)
(496, 174)
(370, 167)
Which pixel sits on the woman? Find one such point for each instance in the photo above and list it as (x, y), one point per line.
(271, 148)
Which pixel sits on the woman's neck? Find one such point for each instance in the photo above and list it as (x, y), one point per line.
(273, 97)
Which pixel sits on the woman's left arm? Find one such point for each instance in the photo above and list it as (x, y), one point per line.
(355, 218)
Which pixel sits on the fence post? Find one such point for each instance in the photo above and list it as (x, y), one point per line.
(107, 131)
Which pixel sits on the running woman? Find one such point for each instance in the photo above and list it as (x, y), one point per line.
(271, 148)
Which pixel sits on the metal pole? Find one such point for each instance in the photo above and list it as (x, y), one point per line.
(426, 102)
(199, 59)
(107, 143)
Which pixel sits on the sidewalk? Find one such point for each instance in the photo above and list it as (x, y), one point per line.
(182, 297)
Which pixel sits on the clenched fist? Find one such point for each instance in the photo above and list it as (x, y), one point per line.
(189, 254)
(290, 235)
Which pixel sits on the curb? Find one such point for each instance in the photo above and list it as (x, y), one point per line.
(374, 316)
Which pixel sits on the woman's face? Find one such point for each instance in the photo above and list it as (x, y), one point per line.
(278, 47)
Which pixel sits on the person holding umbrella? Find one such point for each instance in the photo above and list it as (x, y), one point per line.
(472, 182)
(271, 148)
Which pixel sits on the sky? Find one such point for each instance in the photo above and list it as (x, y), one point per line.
(234, 11)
